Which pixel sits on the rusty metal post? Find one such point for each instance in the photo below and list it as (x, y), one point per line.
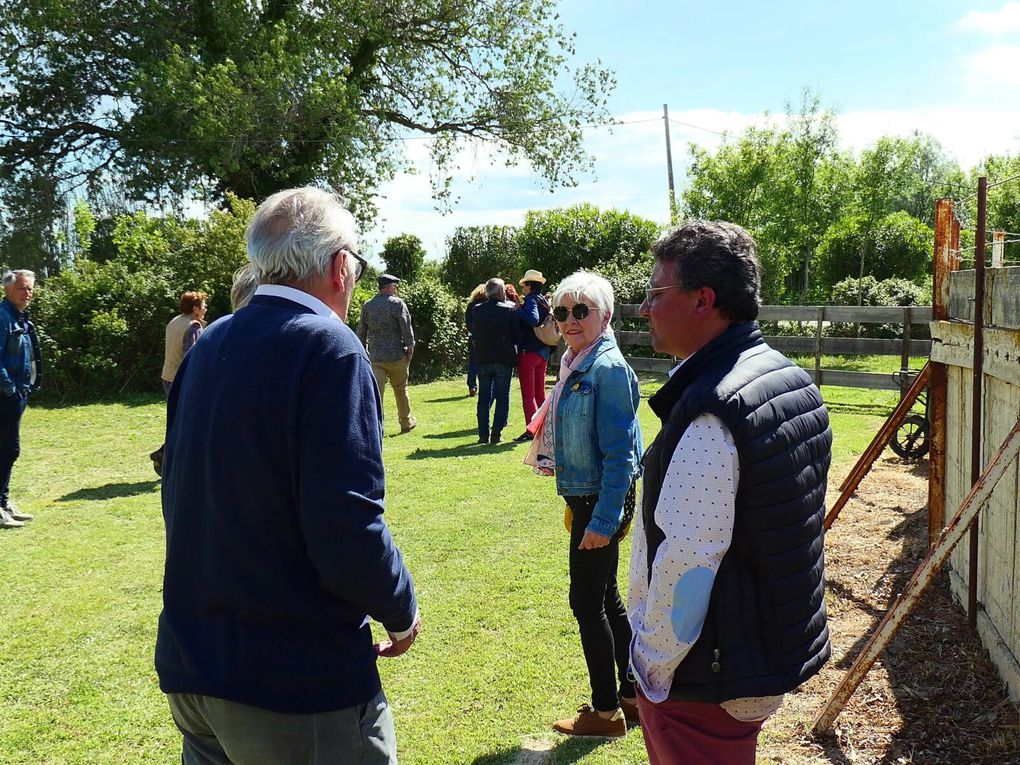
(976, 399)
(939, 384)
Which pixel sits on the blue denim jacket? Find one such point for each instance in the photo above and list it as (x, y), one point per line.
(598, 439)
(16, 367)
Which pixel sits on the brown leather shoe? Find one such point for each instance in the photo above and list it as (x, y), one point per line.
(412, 423)
(630, 712)
(588, 722)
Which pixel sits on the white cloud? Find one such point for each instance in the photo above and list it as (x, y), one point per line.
(992, 71)
(1003, 21)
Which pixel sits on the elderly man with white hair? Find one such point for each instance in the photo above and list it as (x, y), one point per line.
(20, 374)
(277, 553)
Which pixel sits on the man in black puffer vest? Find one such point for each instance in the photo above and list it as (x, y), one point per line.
(727, 566)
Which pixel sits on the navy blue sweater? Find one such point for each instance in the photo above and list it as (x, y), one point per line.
(277, 552)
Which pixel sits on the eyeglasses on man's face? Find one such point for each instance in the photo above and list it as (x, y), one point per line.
(359, 262)
(579, 311)
(650, 292)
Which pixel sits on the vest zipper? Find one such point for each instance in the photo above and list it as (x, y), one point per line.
(716, 666)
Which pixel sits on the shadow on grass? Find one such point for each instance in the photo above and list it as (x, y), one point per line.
(46, 400)
(111, 490)
(564, 751)
(464, 450)
(452, 434)
(447, 399)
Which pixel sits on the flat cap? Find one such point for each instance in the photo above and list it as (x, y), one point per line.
(385, 280)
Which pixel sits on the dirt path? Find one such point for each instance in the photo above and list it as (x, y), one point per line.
(934, 696)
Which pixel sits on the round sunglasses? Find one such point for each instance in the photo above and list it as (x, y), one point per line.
(579, 311)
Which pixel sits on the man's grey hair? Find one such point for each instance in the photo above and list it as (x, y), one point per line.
(719, 255)
(14, 274)
(295, 234)
(495, 289)
(591, 289)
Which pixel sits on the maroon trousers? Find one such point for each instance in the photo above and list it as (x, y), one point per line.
(531, 371)
(695, 733)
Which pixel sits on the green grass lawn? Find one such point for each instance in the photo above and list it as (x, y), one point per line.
(497, 661)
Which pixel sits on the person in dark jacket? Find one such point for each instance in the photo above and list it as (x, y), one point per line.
(20, 374)
(533, 360)
(727, 584)
(476, 298)
(496, 336)
(277, 554)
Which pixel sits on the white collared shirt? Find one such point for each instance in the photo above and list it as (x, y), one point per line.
(297, 296)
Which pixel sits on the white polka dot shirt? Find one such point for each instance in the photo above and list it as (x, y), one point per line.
(695, 511)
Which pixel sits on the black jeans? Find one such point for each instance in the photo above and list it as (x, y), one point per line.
(599, 610)
(11, 409)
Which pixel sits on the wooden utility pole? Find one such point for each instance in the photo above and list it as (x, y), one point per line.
(669, 166)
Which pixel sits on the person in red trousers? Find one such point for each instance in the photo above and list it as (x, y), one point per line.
(533, 358)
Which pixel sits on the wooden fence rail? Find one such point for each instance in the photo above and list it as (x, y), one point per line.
(816, 344)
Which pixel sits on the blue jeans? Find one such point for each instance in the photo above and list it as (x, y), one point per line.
(220, 732)
(493, 384)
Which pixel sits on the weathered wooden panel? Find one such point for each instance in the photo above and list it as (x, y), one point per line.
(953, 344)
(998, 520)
(958, 457)
(1006, 303)
(1002, 297)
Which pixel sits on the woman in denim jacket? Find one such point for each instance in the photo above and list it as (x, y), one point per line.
(587, 435)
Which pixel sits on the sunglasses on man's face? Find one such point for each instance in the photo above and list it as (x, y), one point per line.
(579, 311)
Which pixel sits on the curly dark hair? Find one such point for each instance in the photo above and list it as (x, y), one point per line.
(719, 255)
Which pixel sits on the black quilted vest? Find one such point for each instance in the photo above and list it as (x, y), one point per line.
(765, 631)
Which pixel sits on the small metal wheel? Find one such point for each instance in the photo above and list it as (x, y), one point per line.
(911, 439)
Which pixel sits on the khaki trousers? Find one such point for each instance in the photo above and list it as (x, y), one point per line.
(396, 373)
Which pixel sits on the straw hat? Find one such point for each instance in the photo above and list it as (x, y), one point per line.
(531, 275)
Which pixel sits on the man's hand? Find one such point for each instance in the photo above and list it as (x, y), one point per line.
(391, 648)
(592, 541)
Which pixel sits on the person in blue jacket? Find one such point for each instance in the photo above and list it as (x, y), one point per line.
(533, 359)
(277, 554)
(587, 435)
(20, 374)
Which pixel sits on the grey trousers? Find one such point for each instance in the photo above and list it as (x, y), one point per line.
(220, 732)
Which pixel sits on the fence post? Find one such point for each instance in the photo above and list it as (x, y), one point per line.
(905, 349)
(818, 346)
(998, 245)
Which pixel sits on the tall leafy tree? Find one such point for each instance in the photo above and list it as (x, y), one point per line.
(248, 96)
(785, 182)
(904, 174)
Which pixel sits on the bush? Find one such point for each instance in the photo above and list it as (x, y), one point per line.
(404, 256)
(440, 338)
(563, 240)
(870, 291)
(102, 323)
(477, 253)
(897, 247)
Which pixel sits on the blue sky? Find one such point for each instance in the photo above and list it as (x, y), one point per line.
(949, 68)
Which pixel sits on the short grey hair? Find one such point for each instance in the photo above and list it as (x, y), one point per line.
(495, 288)
(14, 274)
(295, 234)
(586, 287)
